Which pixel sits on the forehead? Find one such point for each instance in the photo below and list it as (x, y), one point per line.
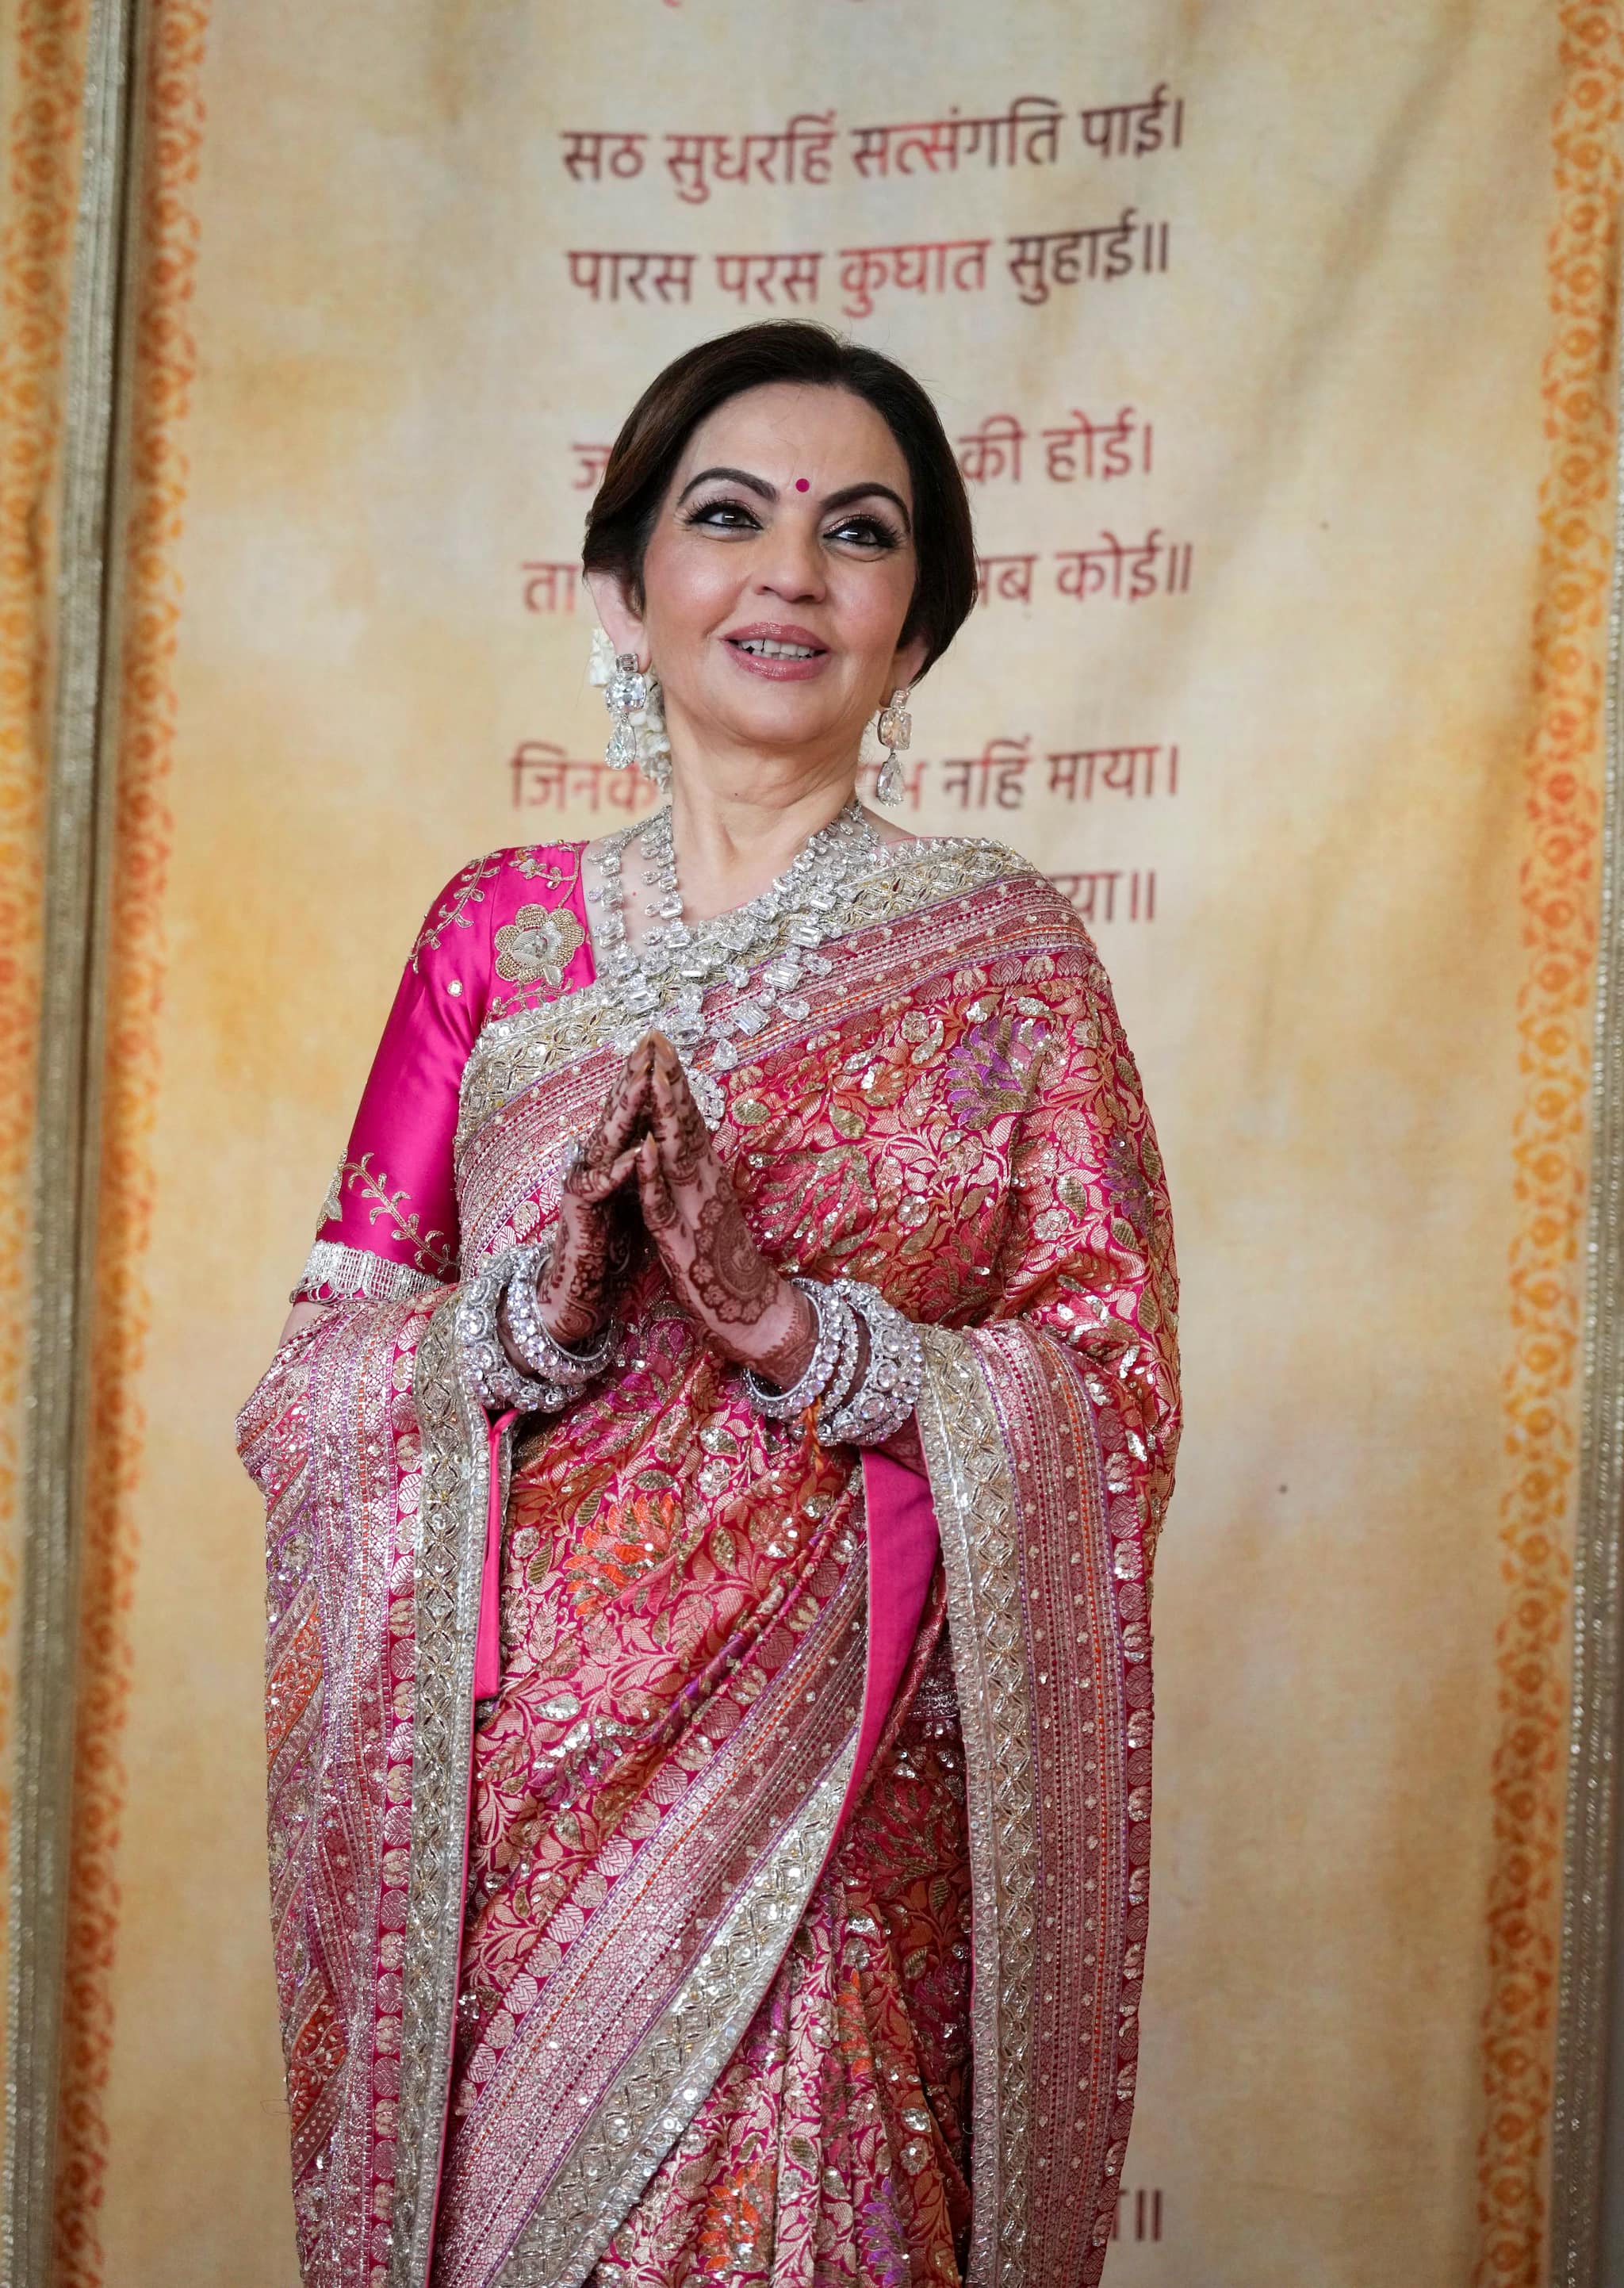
(786, 430)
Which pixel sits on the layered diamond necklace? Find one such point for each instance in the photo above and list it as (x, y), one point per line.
(771, 945)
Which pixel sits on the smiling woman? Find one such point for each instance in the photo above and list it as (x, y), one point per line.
(751, 1256)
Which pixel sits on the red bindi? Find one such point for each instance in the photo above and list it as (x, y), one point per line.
(802, 484)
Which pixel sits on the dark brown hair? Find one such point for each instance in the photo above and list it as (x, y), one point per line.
(656, 431)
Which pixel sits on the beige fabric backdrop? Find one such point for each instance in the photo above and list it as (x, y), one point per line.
(1339, 334)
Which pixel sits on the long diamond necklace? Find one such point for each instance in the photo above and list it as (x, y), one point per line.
(770, 945)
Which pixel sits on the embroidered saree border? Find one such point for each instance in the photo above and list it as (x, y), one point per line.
(630, 2034)
(660, 2088)
(972, 1486)
(350, 1274)
(514, 1051)
(663, 2085)
(1045, 1566)
(450, 1561)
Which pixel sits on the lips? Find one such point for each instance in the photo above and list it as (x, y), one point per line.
(779, 650)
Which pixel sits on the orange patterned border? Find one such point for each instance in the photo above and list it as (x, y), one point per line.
(46, 58)
(1559, 892)
(165, 361)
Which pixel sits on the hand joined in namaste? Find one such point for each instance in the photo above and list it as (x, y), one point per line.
(650, 1150)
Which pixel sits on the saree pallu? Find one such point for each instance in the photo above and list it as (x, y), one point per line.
(778, 1910)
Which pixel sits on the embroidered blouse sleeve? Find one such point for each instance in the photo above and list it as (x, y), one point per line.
(389, 1224)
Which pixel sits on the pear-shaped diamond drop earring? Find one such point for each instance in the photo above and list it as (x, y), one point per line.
(625, 695)
(894, 727)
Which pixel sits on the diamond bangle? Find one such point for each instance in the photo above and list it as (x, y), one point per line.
(889, 1390)
(538, 1347)
(841, 1382)
(835, 1320)
(491, 1374)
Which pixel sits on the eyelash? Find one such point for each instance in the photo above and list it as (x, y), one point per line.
(880, 535)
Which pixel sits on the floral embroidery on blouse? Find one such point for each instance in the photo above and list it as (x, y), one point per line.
(431, 1252)
(452, 913)
(538, 944)
(542, 865)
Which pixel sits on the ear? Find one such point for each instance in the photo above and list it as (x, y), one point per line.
(623, 625)
(908, 664)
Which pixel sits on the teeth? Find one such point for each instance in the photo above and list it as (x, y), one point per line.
(761, 648)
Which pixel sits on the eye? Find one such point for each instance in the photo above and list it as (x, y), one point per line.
(727, 514)
(865, 532)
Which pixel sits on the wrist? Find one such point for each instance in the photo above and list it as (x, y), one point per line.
(782, 1341)
(573, 1325)
(549, 1346)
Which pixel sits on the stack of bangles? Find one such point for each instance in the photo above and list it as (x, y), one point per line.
(555, 1375)
(854, 1409)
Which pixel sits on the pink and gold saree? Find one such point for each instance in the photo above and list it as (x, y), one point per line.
(697, 1855)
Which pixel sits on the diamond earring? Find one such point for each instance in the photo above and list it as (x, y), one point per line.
(631, 694)
(894, 727)
(625, 695)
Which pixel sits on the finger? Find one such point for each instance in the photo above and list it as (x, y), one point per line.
(664, 1122)
(622, 1111)
(685, 1140)
(663, 1102)
(625, 1112)
(654, 1187)
(601, 1184)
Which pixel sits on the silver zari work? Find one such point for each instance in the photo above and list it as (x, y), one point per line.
(776, 938)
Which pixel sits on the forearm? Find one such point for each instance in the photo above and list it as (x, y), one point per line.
(302, 1315)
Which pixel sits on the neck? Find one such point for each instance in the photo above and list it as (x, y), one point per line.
(735, 833)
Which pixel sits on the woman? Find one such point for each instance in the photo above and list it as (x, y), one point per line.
(713, 1467)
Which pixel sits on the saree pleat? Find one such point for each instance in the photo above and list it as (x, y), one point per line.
(656, 1963)
(834, 2146)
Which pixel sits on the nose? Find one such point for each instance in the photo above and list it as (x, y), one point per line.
(790, 565)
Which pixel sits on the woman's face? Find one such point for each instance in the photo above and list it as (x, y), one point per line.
(777, 577)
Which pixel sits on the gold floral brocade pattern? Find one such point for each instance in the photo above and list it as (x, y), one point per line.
(515, 1050)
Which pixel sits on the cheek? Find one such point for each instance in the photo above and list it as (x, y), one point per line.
(688, 587)
(875, 608)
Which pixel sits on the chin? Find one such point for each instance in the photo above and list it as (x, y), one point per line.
(784, 718)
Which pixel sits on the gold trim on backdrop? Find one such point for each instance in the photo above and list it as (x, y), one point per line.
(1579, 2099)
(44, 51)
(1551, 1141)
(64, 1171)
(154, 368)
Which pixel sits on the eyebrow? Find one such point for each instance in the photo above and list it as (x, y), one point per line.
(764, 491)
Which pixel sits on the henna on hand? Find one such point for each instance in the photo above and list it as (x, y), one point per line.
(659, 1212)
(595, 1239)
(691, 1144)
(731, 1276)
(788, 1359)
(740, 1300)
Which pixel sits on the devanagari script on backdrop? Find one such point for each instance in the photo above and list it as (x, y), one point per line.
(1265, 345)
